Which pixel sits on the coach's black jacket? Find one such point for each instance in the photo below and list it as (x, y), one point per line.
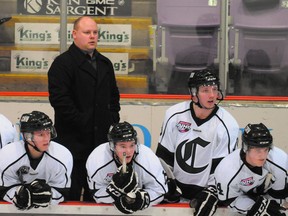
(85, 101)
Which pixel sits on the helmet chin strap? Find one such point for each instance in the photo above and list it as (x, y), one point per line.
(200, 106)
(118, 160)
(33, 146)
(203, 107)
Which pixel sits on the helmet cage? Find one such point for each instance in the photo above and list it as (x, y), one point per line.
(256, 135)
(122, 132)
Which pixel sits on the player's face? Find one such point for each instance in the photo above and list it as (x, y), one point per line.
(127, 147)
(208, 95)
(257, 156)
(42, 139)
(86, 34)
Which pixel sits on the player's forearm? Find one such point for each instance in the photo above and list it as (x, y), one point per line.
(8, 193)
(279, 194)
(101, 196)
(242, 204)
(60, 192)
(57, 197)
(3, 191)
(165, 154)
(155, 196)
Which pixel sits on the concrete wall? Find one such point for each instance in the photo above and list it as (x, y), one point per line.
(150, 114)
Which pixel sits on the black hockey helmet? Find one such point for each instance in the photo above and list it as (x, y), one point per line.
(256, 135)
(203, 77)
(35, 121)
(119, 132)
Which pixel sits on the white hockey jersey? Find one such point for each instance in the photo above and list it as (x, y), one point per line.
(189, 144)
(234, 179)
(101, 166)
(55, 167)
(8, 132)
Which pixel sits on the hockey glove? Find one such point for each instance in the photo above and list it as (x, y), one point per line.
(141, 201)
(174, 192)
(205, 203)
(41, 193)
(22, 198)
(265, 207)
(122, 183)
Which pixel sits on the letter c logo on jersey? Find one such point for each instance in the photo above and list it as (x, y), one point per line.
(186, 155)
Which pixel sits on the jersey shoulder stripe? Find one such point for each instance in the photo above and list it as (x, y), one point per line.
(172, 112)
(98, 159)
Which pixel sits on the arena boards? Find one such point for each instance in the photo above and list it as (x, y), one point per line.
(79, 208)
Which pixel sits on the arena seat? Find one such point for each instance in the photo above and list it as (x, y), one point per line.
(187, 39)
(259, 46)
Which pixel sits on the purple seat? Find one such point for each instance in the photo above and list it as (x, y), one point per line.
(259, 41)
(190, 26)
(265, 29)
(187, 13)
(191, 29)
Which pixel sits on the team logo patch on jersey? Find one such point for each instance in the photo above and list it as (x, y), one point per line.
(183, 127)
(247, 182)
(108, 177)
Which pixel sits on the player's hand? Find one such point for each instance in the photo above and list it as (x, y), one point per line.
(125, 181)
(174, 192)
(205, 203)
(122, 183)
(40, 192)
(140, 202)
(22, 198)
(265, 207)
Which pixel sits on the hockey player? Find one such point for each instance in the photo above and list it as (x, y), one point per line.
(251, 179)
(35, 172)
(8, 132)
(124, 172)
(195, 136)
